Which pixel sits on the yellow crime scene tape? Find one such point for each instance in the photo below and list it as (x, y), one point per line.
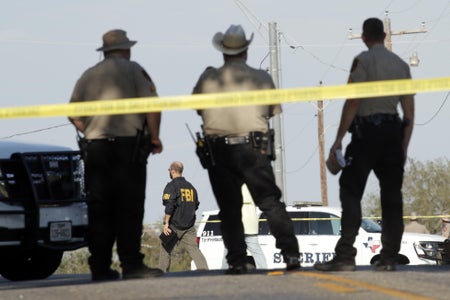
(205, 101)
(336, 218)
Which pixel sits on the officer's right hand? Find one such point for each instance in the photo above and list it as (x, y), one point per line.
(337, 145)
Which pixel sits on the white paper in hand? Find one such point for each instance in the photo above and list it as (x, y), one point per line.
(336, 162)
(340, 158)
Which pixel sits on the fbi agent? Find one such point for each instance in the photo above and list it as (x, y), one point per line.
(181, 202)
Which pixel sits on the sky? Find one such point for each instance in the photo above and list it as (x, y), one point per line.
(46, 45)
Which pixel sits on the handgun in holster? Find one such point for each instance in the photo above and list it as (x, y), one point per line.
(143, 146)
(204, 151)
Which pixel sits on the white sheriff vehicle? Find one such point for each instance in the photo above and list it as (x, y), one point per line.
(43, 210)
(317, 229)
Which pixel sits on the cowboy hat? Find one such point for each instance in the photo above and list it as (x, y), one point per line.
(233, 41)
(413, 216)
(116, 39)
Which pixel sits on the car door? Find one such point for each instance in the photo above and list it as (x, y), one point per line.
(318, 236)
(267, 243)
(211, 243)
(316, 232)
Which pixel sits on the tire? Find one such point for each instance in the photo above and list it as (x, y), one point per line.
(38, 264)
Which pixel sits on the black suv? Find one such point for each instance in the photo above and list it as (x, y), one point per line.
(43, 210)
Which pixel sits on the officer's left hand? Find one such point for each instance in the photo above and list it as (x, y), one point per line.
(166, 229)
(157, 146)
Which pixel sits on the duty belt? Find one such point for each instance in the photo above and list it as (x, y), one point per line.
(231, 140)
(377, 119)
(113, 139)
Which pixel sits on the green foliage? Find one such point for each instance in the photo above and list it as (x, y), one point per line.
(76, 262)
(426, 191)
(180, 260)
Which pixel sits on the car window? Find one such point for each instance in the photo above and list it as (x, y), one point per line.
(212, 226)
(263, 225)
(298, 219)
(328, 226)
(301, 224)
(370, 226)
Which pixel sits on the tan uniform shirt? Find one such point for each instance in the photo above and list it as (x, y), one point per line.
(113, 78)
(378, 63)
(234, 76)
(415, 226)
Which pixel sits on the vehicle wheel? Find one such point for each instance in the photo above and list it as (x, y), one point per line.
(38, 264)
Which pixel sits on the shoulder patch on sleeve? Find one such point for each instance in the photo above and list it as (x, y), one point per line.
(152, 85)
(146, 75)
(353, 68)
(166, 196)
(354, 65)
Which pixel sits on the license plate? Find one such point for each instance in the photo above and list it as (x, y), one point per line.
(60, 231)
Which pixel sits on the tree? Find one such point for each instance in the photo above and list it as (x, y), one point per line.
(426, 191)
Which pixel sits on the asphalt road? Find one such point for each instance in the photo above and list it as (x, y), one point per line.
(408, 282)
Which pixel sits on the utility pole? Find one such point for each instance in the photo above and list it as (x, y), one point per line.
(275, 71)
(323, 174)
(390, 33)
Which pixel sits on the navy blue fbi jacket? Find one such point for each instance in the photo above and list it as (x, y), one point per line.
(181, 201)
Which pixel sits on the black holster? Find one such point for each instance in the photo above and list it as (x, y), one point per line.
(355, 129)
(265, 142)
(142, 148)
(204, 151)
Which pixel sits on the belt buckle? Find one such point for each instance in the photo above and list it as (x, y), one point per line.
(235, 140)
(377, 119)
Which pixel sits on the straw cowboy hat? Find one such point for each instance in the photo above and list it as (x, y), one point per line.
(413, 216)
(116, 40)
(233, 41)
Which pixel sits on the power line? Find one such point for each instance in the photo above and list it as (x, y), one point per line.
(34, 131)
(298, 46)
(436, 113)
(405, 9)
(305, 163)
(436, 22)
(254, 20)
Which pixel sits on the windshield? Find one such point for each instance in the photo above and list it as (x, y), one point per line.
(370, 226)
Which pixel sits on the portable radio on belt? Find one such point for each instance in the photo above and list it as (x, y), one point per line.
(203, 149)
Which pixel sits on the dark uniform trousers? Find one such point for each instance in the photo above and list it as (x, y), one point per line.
(116, 195)
(238, 164)
(377, 148)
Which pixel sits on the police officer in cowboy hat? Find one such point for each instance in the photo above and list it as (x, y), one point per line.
(238, 137)
(415, 226)
(116, 162)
